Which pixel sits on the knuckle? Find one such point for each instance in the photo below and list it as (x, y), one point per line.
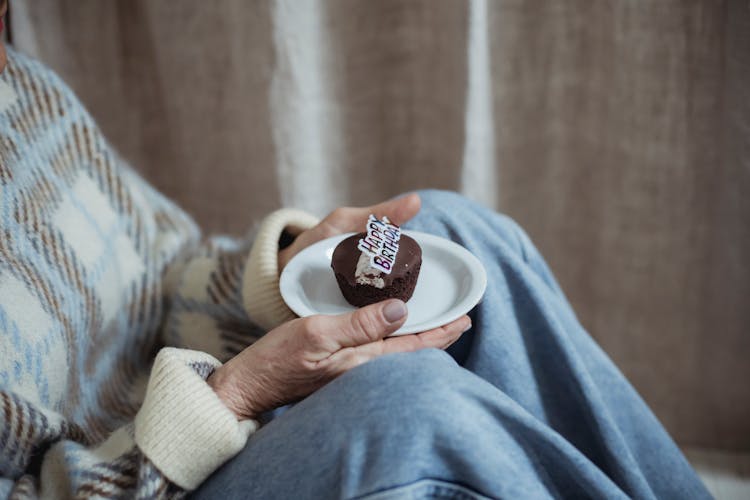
(340, 213)
(368, 322)
(357, 360)
(352, 360)
(311, 369)
(327, 229)
(312, 328)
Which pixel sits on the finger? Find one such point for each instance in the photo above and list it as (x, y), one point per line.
(398, 210)
(347, 219)
(439, 338)
(365, 325)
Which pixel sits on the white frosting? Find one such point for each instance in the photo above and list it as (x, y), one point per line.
(365, 274)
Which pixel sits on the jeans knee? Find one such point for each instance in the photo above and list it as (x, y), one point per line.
(451, 203)
(443, 213)
(439, 199)
(412, 386)
(452, 215)
(392, 368)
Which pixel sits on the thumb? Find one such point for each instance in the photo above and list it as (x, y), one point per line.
(399, 210)
(368, 324)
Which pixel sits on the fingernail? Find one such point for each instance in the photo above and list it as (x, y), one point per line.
(467, 326)
(394, 311)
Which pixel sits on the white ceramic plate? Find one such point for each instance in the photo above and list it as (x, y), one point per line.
(451, 282)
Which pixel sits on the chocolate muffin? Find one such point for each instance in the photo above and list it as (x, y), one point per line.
(362, 284)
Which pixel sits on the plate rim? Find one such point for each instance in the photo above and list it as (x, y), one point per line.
(466, 303)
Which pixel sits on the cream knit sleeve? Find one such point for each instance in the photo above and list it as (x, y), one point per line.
(182, 416)
(225, 295)
(180, 435)
(260, 288)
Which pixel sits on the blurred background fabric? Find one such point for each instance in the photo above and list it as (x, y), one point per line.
(616, 132)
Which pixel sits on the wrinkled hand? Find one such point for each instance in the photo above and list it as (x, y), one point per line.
(302, 355)
(347, 220)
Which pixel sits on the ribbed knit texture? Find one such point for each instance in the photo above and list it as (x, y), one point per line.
(98, 272)
(261, 290)
(181, 416)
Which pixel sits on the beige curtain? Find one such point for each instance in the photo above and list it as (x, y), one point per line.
(616, 131)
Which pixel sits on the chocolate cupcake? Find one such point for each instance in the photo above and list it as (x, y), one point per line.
(375, 266)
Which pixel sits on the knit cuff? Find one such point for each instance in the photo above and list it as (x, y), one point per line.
(260, 289)
(183, 427)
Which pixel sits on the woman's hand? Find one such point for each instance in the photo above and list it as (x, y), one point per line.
(346, 219)
(300, 356)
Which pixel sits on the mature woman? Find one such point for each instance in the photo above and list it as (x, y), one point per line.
(98, 271)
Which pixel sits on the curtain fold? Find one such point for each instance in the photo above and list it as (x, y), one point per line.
(614, 131)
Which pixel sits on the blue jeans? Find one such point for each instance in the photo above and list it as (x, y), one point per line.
(525, 405)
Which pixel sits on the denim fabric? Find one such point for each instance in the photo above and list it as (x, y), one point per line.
(525, 405)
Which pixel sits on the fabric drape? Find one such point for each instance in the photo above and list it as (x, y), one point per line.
(615, 132)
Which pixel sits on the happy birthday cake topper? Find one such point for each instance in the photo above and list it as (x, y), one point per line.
(381, 243)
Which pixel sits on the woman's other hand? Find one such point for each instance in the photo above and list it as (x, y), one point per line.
(348, 219)
(300, 356)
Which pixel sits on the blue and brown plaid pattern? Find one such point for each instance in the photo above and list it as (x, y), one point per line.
(97, 271)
